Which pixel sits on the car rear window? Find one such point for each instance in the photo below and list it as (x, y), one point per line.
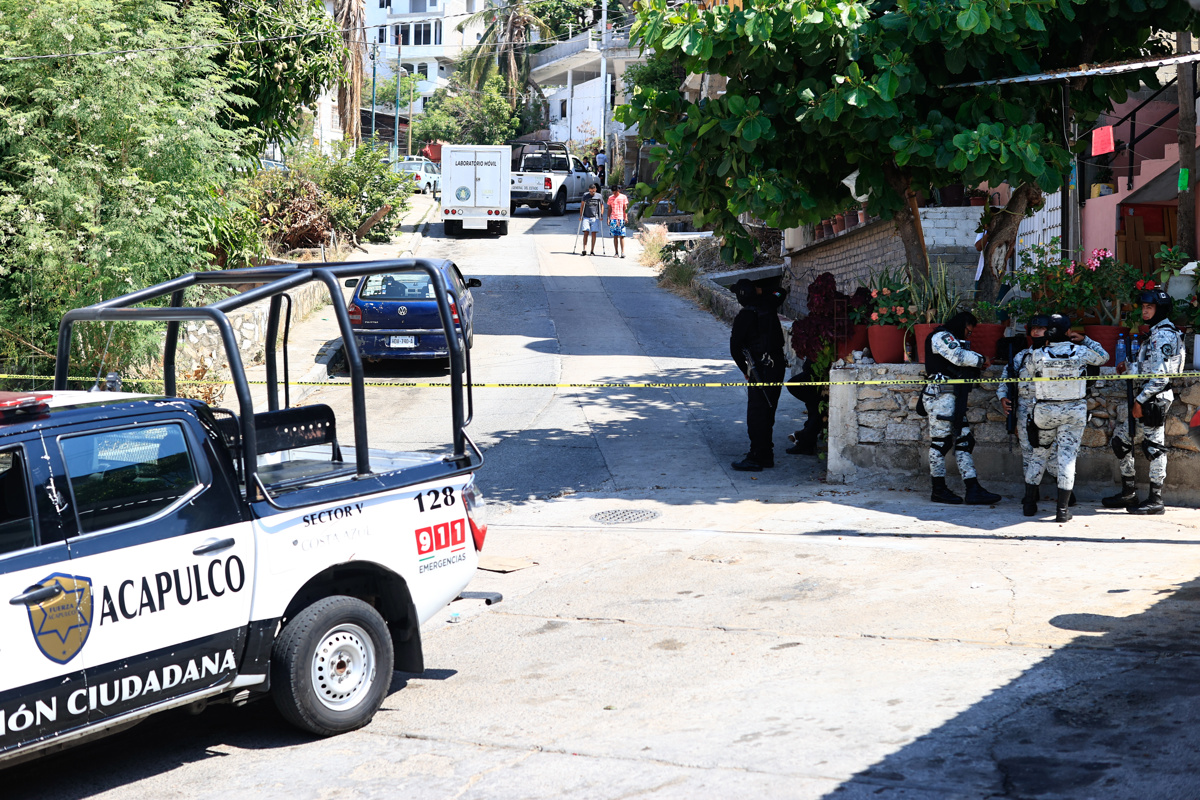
(398, 286)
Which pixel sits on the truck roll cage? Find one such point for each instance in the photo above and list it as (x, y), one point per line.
(272, 283)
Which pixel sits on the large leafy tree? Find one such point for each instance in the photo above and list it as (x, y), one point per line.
(288, 52)
(466, 115)
(111, 166)
(818, 89)
(504, 49)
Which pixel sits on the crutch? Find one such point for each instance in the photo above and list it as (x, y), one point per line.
(578, 228)
(603, 225)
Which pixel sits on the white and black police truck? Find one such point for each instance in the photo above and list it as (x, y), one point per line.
(156, 552)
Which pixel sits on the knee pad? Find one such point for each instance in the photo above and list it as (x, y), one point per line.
(966, 444)
(1121, 447)
(942, 444)
(1153, 449)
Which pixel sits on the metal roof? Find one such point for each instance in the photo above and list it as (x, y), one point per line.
(1085, 71)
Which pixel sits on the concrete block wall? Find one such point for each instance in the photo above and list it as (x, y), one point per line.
(854, 256)
(875, 432)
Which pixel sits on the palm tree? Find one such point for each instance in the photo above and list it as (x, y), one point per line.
(504, 48)
(351, 19)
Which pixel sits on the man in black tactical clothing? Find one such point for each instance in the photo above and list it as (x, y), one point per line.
(756, 345)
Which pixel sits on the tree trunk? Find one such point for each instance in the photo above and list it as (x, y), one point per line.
(1002, 239)
(1187, 147)
(371, 220)
(351, 18)
(906, 226)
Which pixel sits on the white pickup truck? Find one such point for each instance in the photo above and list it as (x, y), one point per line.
(546, 175)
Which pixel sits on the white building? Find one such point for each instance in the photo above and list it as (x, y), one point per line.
(421, 35)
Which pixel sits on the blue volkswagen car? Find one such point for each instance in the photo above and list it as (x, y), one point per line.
(395, 316)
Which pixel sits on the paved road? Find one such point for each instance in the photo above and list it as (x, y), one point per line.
(773, 637)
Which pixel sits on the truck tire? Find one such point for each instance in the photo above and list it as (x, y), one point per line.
(504, 228)
(559, 206)
(331, 666)
(512, 209)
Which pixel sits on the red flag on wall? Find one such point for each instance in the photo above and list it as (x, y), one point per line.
(1102, 140)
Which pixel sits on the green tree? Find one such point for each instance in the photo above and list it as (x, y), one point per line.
(656, 74)
(504, 49)
(278, 77)
(110, 165)
(385, 88)
(463, 115)
(817, 90)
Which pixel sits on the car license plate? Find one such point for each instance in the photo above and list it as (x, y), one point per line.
(477, 224)
(402, 341)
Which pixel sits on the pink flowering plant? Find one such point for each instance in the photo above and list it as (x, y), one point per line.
(1114, 282)
(1057, 283)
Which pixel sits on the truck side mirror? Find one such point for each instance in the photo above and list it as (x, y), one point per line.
(474, 283)
(351, 283)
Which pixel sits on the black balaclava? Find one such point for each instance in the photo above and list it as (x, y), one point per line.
(745, 292)
(957, 324)
(1038, 321)
(1162, 304)
(1059, 327)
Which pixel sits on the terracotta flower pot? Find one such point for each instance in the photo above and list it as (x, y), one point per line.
(979, 201)
(818, 233)
(985, 337)
(862, 216)
(855, 340)
(921, 331)
(839, 223)
(827, 224)
(1106, 336)
(887, 343)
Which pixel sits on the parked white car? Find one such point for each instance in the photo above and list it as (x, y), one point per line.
(427, 176)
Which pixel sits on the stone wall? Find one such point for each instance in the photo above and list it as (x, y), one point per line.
(874, 431)
(200, 343)
(858, 253)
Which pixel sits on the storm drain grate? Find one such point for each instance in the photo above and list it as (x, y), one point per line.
(623, 516)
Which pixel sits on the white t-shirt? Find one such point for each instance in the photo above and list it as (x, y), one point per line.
(601, 159)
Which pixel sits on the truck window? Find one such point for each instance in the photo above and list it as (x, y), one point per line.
(122, 476)
(558, 163)
(16, 521)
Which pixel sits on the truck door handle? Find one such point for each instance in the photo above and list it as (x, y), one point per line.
(212, 546)
(36, 594)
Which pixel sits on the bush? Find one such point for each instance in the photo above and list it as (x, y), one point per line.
(356, 184)
(653, 239)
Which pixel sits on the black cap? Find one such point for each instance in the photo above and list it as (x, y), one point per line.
(1156, 297)
(1038, 321)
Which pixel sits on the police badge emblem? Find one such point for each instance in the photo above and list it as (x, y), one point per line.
(61, 624)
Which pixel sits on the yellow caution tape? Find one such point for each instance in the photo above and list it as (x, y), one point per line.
(645, 384)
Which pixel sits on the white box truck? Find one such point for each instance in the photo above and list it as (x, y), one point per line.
(476, 188)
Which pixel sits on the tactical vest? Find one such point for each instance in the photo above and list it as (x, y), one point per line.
(1059, 368)
(937, 364)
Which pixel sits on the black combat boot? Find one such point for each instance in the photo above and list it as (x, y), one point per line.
(1063, 512)
(1029, 502)
(979, 496)
(1073, 501)
(942, 494)
(748, 464)
(1126, 498)
(1152, 504)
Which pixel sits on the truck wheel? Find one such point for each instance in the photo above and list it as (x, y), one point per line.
(331, 666)
(559, 207)
(504, 228)
(512, 209)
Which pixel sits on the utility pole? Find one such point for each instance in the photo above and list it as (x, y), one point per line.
(1185, 86)
(410, 115)
(374, 68)
(396, 119)
(604, 81)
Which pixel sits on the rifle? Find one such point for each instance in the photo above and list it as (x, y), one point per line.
(1129, 402)
(1010, 422)
(752, 373)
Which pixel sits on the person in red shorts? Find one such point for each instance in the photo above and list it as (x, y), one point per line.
(617, 205)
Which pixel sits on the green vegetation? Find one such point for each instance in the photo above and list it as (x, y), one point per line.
(818, 90)
(461, 114)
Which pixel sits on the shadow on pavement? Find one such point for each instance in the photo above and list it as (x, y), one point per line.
(1112, 715)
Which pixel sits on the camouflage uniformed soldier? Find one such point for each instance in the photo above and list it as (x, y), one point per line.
(1018, 368)
(948, 355)
(1059, 410)
(1162, 354)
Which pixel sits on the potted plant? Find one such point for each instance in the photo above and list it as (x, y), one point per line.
(1055, 283)
(977, 197)
(1114, 282)
(859, 307)
(1170, 261)
(890, 317)
(935, 299)
(988, 330)
(839, 223)
(1104, 184)
(862, 216)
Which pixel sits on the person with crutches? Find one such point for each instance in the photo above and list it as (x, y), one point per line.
(591, 217)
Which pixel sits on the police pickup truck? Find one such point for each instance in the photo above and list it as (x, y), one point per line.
(547, 175)
(156, 552)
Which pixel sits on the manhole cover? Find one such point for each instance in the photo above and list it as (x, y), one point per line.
(623, 516)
